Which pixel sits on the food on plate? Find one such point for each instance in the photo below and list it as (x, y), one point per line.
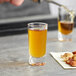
(66, 56)
(74, 52)
(69, 58)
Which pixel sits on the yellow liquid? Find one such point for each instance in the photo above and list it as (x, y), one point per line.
(37, 42)
(65, 27)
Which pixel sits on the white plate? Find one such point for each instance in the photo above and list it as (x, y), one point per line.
(57, 57)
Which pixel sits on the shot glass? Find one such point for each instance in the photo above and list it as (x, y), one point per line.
(65, 24)
(37, 37)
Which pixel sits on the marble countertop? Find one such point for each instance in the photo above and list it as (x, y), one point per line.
(14, 56)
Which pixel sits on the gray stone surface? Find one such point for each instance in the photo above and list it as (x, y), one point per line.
(14, 56)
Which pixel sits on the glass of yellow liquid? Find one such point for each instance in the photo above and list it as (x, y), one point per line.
(37, 37)
(65, 24)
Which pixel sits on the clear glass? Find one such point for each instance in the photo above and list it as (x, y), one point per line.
(37, 37)
(65, 24)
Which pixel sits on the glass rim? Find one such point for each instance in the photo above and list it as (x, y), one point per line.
(39, 23)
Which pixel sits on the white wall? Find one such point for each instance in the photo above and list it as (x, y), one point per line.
(71, 4)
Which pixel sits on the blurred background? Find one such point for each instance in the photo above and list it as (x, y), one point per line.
(14, 20)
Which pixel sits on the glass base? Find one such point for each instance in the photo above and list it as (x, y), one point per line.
(37, 61)
(62, 37)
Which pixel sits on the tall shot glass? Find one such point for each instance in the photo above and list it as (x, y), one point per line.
(65, 24)
(37, 37)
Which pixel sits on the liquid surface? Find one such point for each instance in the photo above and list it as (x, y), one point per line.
(65, 27)
(37, 42)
